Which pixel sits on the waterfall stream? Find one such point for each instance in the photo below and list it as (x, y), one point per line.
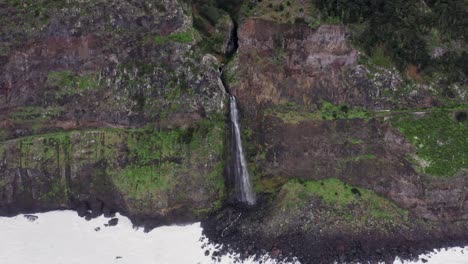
(244, 189)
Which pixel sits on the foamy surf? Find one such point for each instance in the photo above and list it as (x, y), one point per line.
(62, 237)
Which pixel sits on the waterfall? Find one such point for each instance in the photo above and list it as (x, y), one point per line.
(244, 190)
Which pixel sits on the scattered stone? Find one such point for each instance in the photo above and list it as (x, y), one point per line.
(88, 217)
(97, 229)
(424, 260)
(31, 218)
(118, 257)
(113, 222)
(207, 252)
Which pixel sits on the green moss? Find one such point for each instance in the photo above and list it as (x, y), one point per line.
(269, 184)
(160, 158)
(149, 167)
(341, 196)
(378, 57)
(70, 83)
(356, 141)
(218, 183)
(140, 181)
(179, 37)
(441, 141)
(34, 113)
(294, 113)
(330, 111)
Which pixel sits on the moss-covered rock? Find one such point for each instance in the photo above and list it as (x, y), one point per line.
(155, 172)
(140, 63)
(330, 204)
(440, 141)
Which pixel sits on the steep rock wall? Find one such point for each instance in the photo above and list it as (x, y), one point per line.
(109, 106)
(152, 176)
(309, 117)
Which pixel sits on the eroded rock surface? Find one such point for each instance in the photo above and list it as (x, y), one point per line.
(144, 103)
(119, 106)
(319, 126)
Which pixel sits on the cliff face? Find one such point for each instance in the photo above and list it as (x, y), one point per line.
(300, 90)
(154, 177)
(117, 105)
(137, 61)
(321, 122)
(145, 104)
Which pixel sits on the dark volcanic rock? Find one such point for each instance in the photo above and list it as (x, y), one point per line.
(114, 106)
(31, 218)
(325, 247)
(116, 96)
(297, 88)
(113, 222)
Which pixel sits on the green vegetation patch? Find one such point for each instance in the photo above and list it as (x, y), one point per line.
(332, 112)
(289, 11)
(379, 57)
(152, 169)
(30, 117)
(47, 152)
(143, 180)
(440, 139)
(70, 83)
(34, 113)
(407, 31)
(294, 113)
(161, 159)
(342, 197)
(179, 37)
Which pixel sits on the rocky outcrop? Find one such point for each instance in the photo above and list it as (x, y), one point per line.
(154, 177)
(297, 63)
(137, 61)
(293, 135)
(109, 106)
(318, 139)
(369, 154)
(115, 106)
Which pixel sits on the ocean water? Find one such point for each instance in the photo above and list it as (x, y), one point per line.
(63, 237)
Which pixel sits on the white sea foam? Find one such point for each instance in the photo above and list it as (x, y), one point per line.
(456, 255)
(64, 238)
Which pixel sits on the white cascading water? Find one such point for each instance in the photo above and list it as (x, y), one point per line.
(242, 177)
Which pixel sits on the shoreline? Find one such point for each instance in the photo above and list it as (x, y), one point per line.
(342, 249)
(307, 250)
(330, 248)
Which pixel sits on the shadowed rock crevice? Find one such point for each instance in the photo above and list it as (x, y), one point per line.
(233, 43)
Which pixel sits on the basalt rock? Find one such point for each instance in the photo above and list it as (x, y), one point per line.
(114, 106)
(138, 61)
(145, 104)
(316, 119)
(166, 176)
